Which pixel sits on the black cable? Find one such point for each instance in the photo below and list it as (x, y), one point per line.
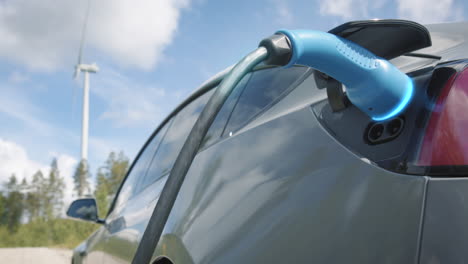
(188, 152)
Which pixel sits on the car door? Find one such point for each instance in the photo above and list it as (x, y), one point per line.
(99, 247)
(92, 248)
(277, 187)
(128, 201)
(140, 191)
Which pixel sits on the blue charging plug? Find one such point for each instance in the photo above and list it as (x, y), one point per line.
(372, 83)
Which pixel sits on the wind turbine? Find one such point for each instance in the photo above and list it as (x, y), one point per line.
(86, 69)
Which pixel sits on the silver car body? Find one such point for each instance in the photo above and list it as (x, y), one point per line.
(283, 189)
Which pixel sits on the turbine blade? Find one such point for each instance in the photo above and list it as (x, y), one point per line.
(83, 33)
(76, 74)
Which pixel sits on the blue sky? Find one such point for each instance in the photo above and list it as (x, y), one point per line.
(152, 54)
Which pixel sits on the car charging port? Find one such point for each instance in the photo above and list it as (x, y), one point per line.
(382, 132)
(394, 127)
(375, 133)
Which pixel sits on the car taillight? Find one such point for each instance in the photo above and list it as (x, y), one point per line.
(445, 142)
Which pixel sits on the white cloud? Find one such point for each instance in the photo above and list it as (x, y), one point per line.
(44, 35)
(422, 11)
(336, 8)
(347, 9)
(14, 159)
(429, 11)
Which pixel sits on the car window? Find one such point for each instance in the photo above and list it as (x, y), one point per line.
(141, 182)
(132, 184)
(174, 139)
(263, 88)
(217, 127)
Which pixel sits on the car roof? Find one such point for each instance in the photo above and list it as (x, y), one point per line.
(449, 40)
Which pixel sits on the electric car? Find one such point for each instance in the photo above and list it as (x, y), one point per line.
(292, 168)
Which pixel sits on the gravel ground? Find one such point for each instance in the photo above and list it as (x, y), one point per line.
(35, 255)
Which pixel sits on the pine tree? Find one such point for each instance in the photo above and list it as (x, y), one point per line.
(13, 204)
(115, 169)
(2, 209)
(109, 178)
(24, 185)
(36, 197)
(54, 192)
(12, 184)
(81, 178)
(102, 193)
(24, 190)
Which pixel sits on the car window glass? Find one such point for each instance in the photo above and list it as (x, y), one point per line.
(262, 89)
(174, 139)
(141, 182)
(217, 127)
(132, 183)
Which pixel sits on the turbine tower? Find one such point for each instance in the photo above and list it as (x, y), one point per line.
(86, 69)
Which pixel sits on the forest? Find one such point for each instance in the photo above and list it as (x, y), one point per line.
(32, 214)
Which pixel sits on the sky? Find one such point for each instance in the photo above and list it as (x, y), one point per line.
(151, 55)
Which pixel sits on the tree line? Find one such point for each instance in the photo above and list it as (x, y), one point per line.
(32, 213)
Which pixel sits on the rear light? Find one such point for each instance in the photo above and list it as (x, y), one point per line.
(445, 141)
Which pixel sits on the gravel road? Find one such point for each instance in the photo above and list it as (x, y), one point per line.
(35, 255)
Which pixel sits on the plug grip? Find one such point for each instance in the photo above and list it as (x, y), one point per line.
(372, 83)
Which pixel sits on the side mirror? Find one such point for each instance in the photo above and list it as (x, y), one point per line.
(84, 209)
